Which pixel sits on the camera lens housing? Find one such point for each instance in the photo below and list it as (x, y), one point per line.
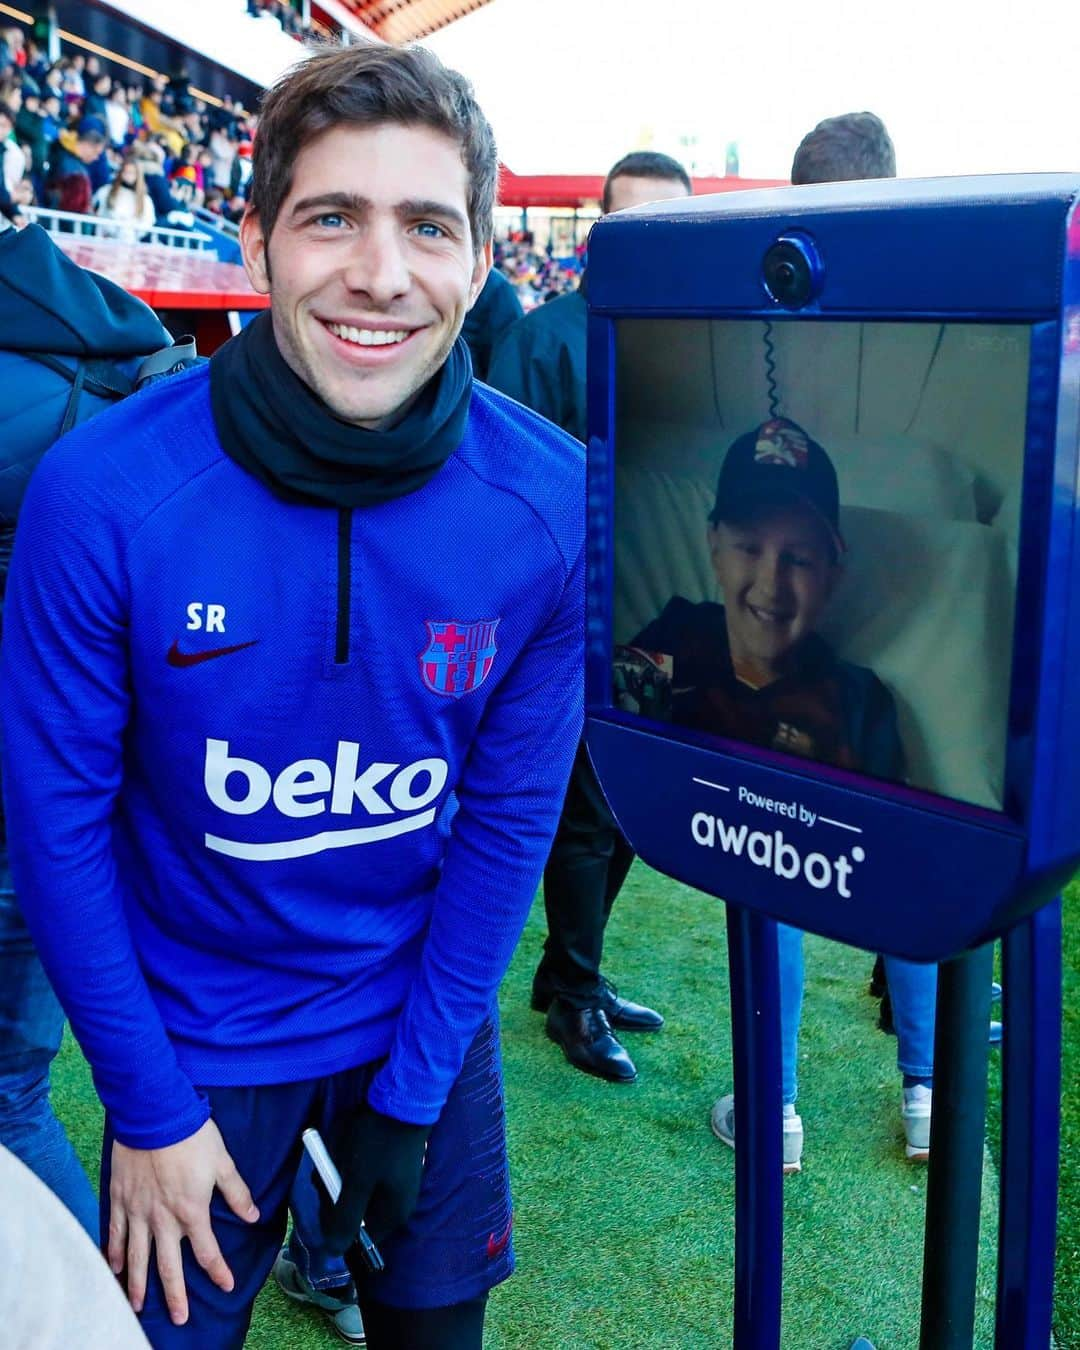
(791, 270)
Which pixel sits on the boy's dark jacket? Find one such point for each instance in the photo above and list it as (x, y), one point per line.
(829, 710)
(50, 307)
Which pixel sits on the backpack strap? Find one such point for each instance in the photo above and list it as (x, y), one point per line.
(168, 361)
(107, 378)
(72, 409)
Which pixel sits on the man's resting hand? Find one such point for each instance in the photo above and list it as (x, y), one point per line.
(162, 1195)
(381, 1162)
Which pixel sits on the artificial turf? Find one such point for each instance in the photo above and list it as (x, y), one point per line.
(624, 1200)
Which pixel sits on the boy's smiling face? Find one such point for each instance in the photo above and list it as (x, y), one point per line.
(777, 570)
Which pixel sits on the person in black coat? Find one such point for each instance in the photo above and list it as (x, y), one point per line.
(540, 361)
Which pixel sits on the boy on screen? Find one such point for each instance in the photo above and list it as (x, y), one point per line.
(755, 669)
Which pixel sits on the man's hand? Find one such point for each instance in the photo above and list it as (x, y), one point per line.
(162, 1195)
(381, 1162)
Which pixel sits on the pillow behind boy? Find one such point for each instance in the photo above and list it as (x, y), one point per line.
(929, 605)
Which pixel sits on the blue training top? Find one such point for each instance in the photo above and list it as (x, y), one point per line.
(280, 779)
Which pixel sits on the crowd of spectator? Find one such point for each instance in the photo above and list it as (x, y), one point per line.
(286, 14)
(76, 136)
(536, 275)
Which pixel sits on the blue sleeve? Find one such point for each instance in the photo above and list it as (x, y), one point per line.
(65, 708)
(510, 797)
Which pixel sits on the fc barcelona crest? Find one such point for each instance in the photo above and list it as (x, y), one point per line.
(459, 656)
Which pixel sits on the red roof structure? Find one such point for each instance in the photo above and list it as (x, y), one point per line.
(575, 190)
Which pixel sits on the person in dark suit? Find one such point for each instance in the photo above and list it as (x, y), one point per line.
(540, 361)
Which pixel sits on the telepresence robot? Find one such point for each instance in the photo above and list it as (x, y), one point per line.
(883, 751)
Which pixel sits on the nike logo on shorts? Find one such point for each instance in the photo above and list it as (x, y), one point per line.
(497, 1245)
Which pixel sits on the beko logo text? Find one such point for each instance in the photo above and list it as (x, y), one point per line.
(243, 786)
(769, 848)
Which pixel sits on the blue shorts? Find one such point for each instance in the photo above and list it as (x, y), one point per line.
(455, 1247)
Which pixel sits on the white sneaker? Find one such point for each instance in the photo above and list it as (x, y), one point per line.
(915, 1113)
(722, 1121)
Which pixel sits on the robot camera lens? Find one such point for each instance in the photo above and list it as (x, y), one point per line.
(791, 271)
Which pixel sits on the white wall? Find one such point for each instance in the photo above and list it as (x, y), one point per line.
(891, 387)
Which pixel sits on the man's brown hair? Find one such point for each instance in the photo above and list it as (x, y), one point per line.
(841, 149)
(366, 86)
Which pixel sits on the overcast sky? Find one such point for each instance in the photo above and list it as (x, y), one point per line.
(964, 87)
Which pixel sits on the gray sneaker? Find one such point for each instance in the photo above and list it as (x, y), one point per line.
(343, 1313)
(722, 1120)
(915, 1110)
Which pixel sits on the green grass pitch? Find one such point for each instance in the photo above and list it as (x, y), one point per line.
(624, 1200)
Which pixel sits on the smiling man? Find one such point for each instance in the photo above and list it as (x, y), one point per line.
(293, 650)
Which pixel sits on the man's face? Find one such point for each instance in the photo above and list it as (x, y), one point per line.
(6, 127)
(629, 190)
(89, 150)
(373, 266)
(52, 106)
(777, 572)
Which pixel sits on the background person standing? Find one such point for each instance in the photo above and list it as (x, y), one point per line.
(540, 361)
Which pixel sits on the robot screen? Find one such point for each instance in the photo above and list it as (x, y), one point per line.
(815, 540)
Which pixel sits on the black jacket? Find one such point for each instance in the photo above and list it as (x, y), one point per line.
(540, 361)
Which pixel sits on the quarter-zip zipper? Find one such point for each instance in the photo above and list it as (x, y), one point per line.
(344, 584)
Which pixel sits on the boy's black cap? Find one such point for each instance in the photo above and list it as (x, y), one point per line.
(779, 462)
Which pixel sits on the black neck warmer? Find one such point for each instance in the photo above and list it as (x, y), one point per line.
(279, 430)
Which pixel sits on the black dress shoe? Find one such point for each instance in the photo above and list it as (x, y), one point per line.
(620, 1012)
(588, 1043)
(627, 1016)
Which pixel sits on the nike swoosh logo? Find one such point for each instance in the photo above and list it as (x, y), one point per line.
(496, 1245)
(176, 657)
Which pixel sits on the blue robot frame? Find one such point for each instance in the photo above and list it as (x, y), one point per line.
(964, 250)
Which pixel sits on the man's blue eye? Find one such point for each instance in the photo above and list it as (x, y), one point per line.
(430, 230)
(332, 220)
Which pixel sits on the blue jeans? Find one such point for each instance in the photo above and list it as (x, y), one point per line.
(912, 987)
(317, 1266)
(31, 1025)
